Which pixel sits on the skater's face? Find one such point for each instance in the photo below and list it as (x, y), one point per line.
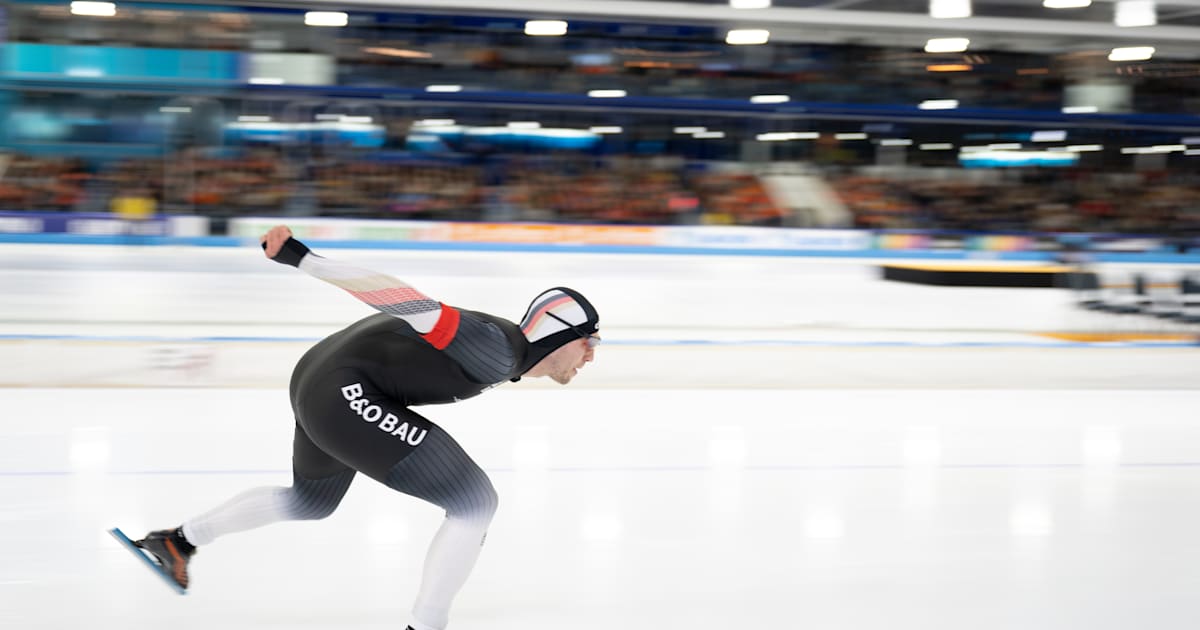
(564, 363)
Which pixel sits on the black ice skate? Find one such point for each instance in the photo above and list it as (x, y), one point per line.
(172, 552)
(166, 552)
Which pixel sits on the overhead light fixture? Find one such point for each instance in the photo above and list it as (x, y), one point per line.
(397, 52)
(546, 28)
(850, 136)
(443, 88)
(1085, 148)
(1080, 109)
(254, 119)
(434, 122)
(1132, 53)
(1005, 146)
(266, 81)
(750, 4)
(171, 109)
(936, 146)
(948, 67)
(1192, 152)
(690, 130)
(949, 9)
(1057, 135)
(895, 142)
(947, 45)
(770, 98)
(709, 134)
(326, 18)
(1130, 13)
(944, 103)
(1066, 4)
(606, 93)
(93, 9)
(605, 129)
(747, 37)
(780, 136)
(1160, 148)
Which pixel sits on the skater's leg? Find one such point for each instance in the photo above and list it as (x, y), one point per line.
(318, 484)
(439, 471)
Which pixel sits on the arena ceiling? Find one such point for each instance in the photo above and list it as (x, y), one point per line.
(1017, 25)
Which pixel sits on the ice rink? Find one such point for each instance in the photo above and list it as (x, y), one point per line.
(761, 443)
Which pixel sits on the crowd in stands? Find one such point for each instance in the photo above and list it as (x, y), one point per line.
(1032, 201)
(586, 190)
(628, 191)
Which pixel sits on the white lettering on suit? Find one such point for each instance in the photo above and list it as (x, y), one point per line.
(373, 413)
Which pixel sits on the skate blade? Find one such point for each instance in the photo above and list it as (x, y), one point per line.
(146, 559)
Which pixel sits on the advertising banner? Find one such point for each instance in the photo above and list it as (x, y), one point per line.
(82, 223)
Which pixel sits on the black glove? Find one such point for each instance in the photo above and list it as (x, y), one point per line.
(291, 252)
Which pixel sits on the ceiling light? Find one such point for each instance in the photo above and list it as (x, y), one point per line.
(1084, 148)
(254, 119)
(770, 98)
(690, 129)
(1005, 146)
(747, 37)
(895, 142)
(850, 136)
(1080, 109)
(605, 129)
(1132, 13)
(948, 67)
(443, 88)
(606, 93)
(709, 134)
(949, 9)
(947, 45)
(546, 28)
(780, 136)
(750, 4)
(1056, 135)
(94, 9)
(945, 103)
(936, 146)
(1066, 4)
(325, 18)
(434, 122)
(1132, 53)
(266, 81)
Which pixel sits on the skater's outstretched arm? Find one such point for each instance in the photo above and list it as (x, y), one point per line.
(381, 291)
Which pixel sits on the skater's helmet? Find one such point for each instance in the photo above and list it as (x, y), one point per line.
(555, 318)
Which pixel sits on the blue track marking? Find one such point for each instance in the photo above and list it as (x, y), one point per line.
(146, 559)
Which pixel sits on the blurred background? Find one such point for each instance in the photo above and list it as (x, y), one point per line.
(1012, 116)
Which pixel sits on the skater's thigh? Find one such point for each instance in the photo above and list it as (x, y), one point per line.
(441, 472)
(310, 462)
(351, 421)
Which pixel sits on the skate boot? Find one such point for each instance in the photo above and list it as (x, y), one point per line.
(172, 551)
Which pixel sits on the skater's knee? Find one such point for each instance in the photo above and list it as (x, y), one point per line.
(484, 502)
(310, 500)
(309, 510)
